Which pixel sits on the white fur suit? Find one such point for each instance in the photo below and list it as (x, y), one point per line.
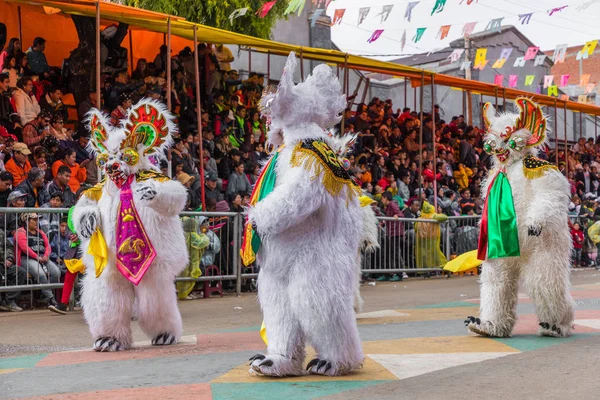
(310, 226)
(108, 297)
(541, 197)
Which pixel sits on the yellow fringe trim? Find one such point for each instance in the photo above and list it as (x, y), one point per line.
(311, 162)
(538, 172)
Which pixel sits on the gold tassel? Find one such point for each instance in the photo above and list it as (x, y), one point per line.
(333, 184)
(534, 173)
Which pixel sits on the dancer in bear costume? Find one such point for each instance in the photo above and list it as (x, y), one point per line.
(132, 239)
(524, 228)
(307, 222)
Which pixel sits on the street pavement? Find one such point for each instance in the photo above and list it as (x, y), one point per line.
(415, 343)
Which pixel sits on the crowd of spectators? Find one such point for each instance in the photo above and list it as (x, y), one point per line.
(46, 161)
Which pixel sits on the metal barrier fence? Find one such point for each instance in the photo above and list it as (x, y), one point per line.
(420, 245)
(406, 245)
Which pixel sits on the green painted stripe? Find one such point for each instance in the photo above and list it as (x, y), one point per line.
(449, 304)
(534, 342)
(285, 390)
(21, 362)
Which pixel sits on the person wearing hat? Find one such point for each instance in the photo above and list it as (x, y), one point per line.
(187, 180)
(19, 165)
(211, 190)
(32, 253)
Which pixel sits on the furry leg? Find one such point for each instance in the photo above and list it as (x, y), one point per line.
(327, 317)
(107, 303)
(157, 311)
(546, 277)
(499, 293)
(285, 352)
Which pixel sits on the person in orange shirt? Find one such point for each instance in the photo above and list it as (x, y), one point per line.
(19, 165)
(78, 171)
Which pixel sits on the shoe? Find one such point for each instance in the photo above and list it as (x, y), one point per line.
(12, 306)
(383, 278)
(4, 306)
(55, 307)
(404, 275)
(395, 278)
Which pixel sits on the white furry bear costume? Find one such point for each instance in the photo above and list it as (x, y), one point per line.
(310, 227)
(135, 213)
(536, 244)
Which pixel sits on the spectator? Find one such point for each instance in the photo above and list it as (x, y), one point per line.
(238, 181)
(160, 61)
(58, 130)
(577, 237)
(119, 86)
(210, 190)
(122, 108)
(141, 70)
(466, 199)
(393, 242)
(10, 68)
(78, 172)
(225, 57)
(428, 173)
(60, 184)
(32, 250)
(11, 274)
(13, 48)
(462, 175)
(32, 187)
(37, 129)
(25, 102)
(467, 153)
(18, 166)
(50, 222)
(6, 108)
(87, 105)
(235, 201)
(5, 187)
(37, 58)
(53, 105)
(412, 211)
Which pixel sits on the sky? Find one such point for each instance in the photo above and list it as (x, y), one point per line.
(574, 25)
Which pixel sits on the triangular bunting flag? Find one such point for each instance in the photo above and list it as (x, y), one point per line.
(529, 80)
(237, 13)
(468, 29)
(531, 53)
(494, 25)
(265, 8)
(362, 14)
(418, 34)
(443, 32)
(385, 13)
(524, 18)
(337, 16)
(409, 8)
(548, 79)
(375, 35)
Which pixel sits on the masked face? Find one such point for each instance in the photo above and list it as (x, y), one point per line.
(512, 136)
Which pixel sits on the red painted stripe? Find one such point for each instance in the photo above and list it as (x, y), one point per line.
(200, 391)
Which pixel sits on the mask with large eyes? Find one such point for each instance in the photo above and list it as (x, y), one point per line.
(513, 133)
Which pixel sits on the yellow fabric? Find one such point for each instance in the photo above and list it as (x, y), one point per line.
(594, 232)
(98, 250)
(365, 201)
(464, 262)
(427, 248)
(75, 266)
(263, 333)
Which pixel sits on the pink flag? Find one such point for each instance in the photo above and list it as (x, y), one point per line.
(265, 8)
(548, 79)
(468, 29)
(498, 79)
(531, 53)
(564, 80)
(375, 35)
(512, 80)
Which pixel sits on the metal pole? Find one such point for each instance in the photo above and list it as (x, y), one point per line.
(496, 96)
(405, 92)
(301, 66)
(20, 26)
(131, 51)
(555, 132)
(337, 71)
(346, 75)
(504, 99)
(595, 128)
(580, 125)
(421, 136)
(566, 146)
(199, 116)
(435, 193)
(481, 120)
(98, 80)
(169, 77)
(414, 99)
(268, 67)
(249, 61)
(236, 254)
(469, 108)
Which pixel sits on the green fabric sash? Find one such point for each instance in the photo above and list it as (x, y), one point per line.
(503, 235)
